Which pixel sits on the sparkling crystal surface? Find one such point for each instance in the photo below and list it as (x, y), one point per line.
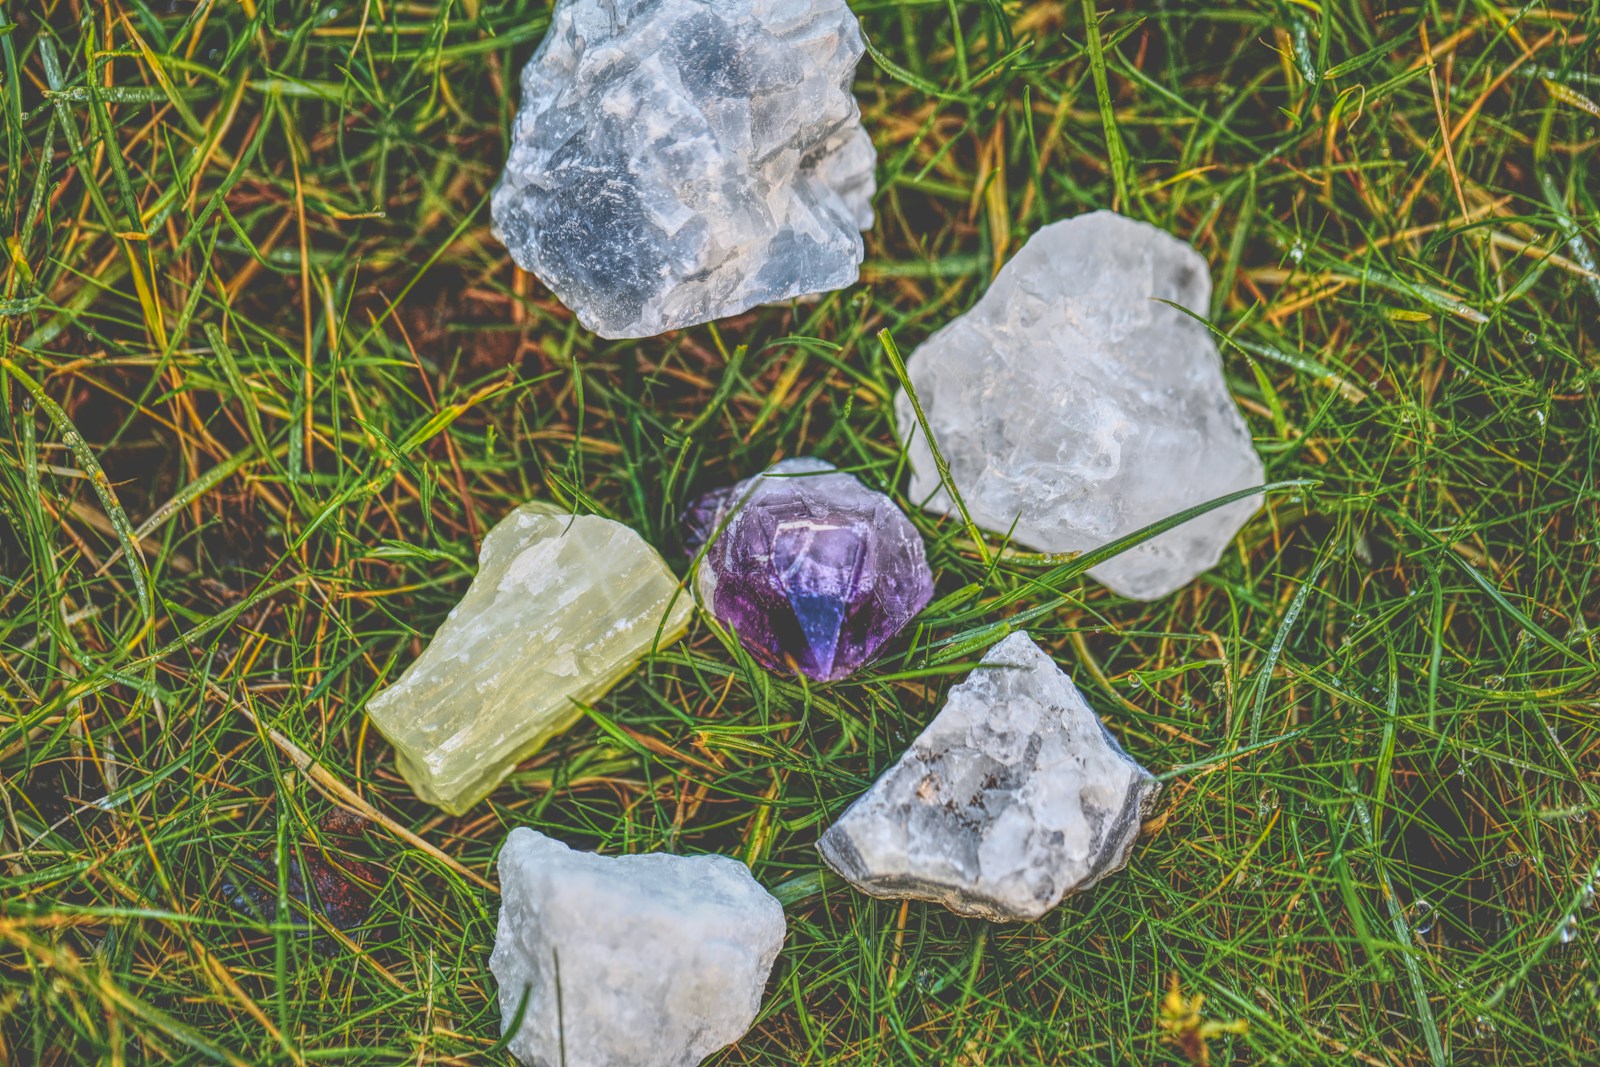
(1072, 402)
(651, 960)
(676, 161)
(813, 570)
(1013, 797)
(561, 609)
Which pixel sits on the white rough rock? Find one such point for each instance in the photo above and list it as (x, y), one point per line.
(561, 609)
(676, 161)
(1013, 797)
(628, 961)
(1071, 402)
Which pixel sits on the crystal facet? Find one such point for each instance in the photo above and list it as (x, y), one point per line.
(562, 608)
(1074, 404)
(629, 961)
(676, 161)
(1013, 797)
(812, 569)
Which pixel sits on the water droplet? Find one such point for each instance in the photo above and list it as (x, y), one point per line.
(1484, 1026)
(1267, 802)
(1513, 860)
(1297, 252)
(1495, 681)
(1134, 681)
(1586, 899)
(1530, 338)
(1420, 917)
(1569, 929)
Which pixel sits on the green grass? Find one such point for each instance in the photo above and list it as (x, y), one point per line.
(268, 378)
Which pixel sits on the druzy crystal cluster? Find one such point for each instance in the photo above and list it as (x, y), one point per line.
(812, 570)
(562, 607)
(677, 161)
(1013, 796)
(1074, 404)
(648, 960)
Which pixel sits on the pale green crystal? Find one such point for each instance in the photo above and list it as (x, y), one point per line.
(563, 606)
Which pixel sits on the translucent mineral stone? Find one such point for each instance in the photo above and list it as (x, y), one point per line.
(1013, 797)
(813, 570)
(562, 608)
(629, 961)
(676, 161)
(1073, 403)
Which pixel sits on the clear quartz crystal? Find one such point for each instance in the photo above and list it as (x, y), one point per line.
(562, 608)
(1013, 797)
(1074, 407)
(650, 960)
(676, 161)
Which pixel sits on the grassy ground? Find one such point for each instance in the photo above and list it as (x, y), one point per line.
(268, 378)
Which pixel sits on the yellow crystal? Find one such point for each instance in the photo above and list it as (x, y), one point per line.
(562, 608)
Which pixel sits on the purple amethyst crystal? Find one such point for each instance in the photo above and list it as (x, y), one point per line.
(813, 570)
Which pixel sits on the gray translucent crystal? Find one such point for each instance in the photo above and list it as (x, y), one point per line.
(651, 960)
(1073, 403)
(676, 161)
(1013, 797)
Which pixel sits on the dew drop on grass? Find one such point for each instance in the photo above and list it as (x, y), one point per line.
(1267, 802)
(1484, 1026)
(1420, 915)
(1569, 929)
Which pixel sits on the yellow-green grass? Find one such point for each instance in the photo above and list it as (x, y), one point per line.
(268, 378)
